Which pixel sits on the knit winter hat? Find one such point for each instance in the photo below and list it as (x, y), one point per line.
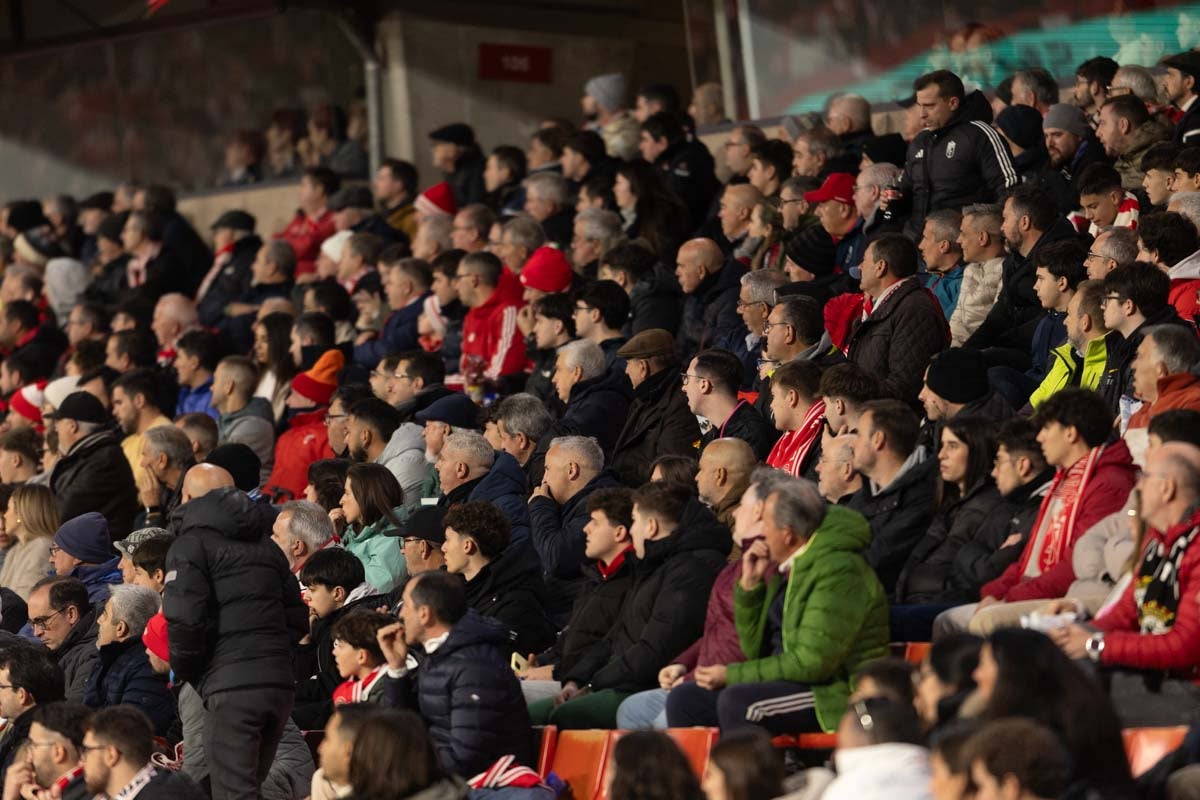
(437, 200)
(607, 90)
(155, 636)
(1021, 124)
(320, 382)
(24, 215)
(57, 390)
(27, 401)
(86, 537)
(1066, 117)
(239, 461)
(813, 249)
(958, 375)
(546, 270)
(333, 247)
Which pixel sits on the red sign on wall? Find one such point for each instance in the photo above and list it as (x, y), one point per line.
(514, 62)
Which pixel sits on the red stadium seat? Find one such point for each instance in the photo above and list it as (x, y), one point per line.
(1145, 747)
(806, 741)
(579, 760)
(696, 744)
(915, 652)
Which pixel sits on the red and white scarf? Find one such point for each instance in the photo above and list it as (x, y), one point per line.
(505, 773)
(357, 691)
(793, 447)
(1066, 492)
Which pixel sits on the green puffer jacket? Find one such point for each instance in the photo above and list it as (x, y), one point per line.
(835, 617)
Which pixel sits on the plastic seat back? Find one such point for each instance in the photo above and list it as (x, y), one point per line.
(546, 750)
(580, 758)
(1145, 747)
(696, 744)
(915, 652)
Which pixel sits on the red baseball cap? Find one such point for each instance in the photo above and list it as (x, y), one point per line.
(838, 186)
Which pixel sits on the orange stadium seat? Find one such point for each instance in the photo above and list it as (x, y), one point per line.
(696, 744)
(915, 652)
(579, 759)
(546, 749)
(1145, 747)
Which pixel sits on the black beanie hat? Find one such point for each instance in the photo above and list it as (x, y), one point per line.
(814, 250)
(240, 461)
(958, 375)
(1023, 125)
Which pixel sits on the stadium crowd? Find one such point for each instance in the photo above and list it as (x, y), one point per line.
(577, 434)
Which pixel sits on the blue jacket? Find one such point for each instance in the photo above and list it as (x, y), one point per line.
(505, 487)
(1050, 332)
(946, 288)
(97, 578)
(122, 676)
(195, 400)
(399, 333)
(851, 247)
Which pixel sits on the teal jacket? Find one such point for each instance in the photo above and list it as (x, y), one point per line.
(835, 617)
(1066, 369)
(381, 550)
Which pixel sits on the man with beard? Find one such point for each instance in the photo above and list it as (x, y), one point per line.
(1072, 147)
(375, 434)
(135, 405)
(117, 746)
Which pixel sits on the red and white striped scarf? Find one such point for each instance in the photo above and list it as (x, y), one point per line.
(793, 447)
(1066, 490)
(504, 773)
(357, 691)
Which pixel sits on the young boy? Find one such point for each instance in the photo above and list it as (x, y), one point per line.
(1104, 201)
(1159, 167)
(359, 660)
(150, 563)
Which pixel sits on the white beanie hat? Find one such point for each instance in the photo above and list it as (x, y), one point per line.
(57, 390)
(607, 90)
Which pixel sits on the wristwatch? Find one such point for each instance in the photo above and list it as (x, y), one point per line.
(1094, 646)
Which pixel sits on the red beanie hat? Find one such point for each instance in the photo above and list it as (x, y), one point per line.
(437, 199)
(155, 636)
(547, 271)
(320, 382)
(27, 401)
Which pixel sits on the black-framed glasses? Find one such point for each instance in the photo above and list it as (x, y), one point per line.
(747, 303)
(582, 308)
(40, 622)
(87, 748)
(1110, 298)
(767, 327)
(762, 362)
(686, 376)
(54, 550)
(331, 418)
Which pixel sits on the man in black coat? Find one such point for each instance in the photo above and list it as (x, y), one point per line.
(686, 164)
(558, 513)
(597, 398)
(503, 578)
(680, 548)
(93, 473)
(654, 295)
(237, 248)
(34, 679)
(463, 685)
(234, 613)
(711, 284)
(711, 386)
(117, 745)
(659, 421)
(898, 496)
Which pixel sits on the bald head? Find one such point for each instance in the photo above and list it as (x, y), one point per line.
(734, 455)
(724, 474)
(1170, 484)
(204, 478)
(741, 196)
(697, 259)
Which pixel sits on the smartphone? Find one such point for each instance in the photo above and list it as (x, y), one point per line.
(519, 662)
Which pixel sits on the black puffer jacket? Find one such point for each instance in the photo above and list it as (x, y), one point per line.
(659, 423)
(1017, 310)
(231, 282)
(710, 312)
(896, 342)
(597, 407)
(899, 516)
(664, 611)
(656, 301)
(232, 605)
(962, 163)
(122, 676)
(510, 590)
(926, 576)
(983, 558)
(747, 424)
(595, 612)
(95, 476)
(77, 655)
(560, 543)
(468, 695)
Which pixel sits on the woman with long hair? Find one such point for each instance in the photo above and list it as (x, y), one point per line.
(393, 759)
(766, 225)
(649, 209)
(648, 765)
(31, 518)
(744, 765)
(369, 515)
(1022, 673)
(272, 354)
(946, 677)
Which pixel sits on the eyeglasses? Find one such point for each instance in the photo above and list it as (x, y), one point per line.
(411, 539)
(793, 200)
(685, 377)
(747, 303)
(1093, 254)
(762, 362)
(769, 325)
(403, 376)
(54, 550)
(582, 308)
(87, 748)
(331, 418)
(1110, 298)
(41, 622)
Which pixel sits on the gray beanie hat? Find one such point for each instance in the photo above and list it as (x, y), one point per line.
(1069, 118)
(607, 90)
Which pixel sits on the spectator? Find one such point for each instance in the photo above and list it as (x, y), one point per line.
(20, 455)
(426, 529)
(1021, 127)
(371, 510)
(596, 232)
(457, 156)
(418, 382)
(756, 297)
(898, 498)
(336, 747)
(135, 401)
(743, 138)
(943, 257)
(359, 659)
(651, 210)
(905, 326)
(150, 564)
(313, 223)
(770, 167)
(547, 201)
(1127, 131)
(1112, 248)
(117, 747)
(241, 417)
(722, 476)
(201, 431)
(648, 764)
(1135, 297)
(707, 106)
(467, 669)
(394, 755)
(62, 617)
(1093, 79)
(736, 209)
(59, 727)
(154, 269)
(471, 226)
(879, 752)
(849, 117)
(1018, 758)
(197, 355)
(652, 288)
(31, 519)
(127, 350)
(596, 397)
(523, 423)
(1092, 481)
(711, 385)
(981, 170)
(307, 438)
(395, 187)
(1080, 360)
(810, 656)
(376, 435)
(799, 413)
(817, 153)
(166, 456)
(121, 674)
(659, 420)
(492, 345)
(272, 341)
(237, 248)
(1159, 166)
(502, 580)
(521, 236)
(661, 613)
(943, 683)
(328, 144)
(583, 158)
(834, 206)
(601, 311)
(574, 469)
(36, 679)
(243, 672)
(868, 198)
(301, 529)
(685, 163)
(1168, 241)
(1162, 377)
(1105, 203)
(1183, 71)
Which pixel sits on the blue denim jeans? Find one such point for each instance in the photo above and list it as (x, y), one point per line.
(644, 711)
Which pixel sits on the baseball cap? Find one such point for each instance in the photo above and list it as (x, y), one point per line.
(131, 542)
(82, 407)
(838, 186)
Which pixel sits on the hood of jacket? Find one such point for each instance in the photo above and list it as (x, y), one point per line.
(257, 407)
(93, 574)
(517, 568)
(504, 478)
(1186, 269)
(407, 437)
(224, 512)
(698, 529)
(842, 529)
(472, 629)
(611, 380)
